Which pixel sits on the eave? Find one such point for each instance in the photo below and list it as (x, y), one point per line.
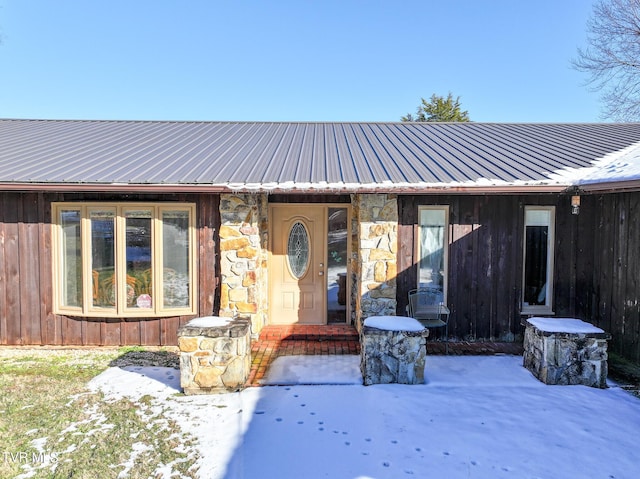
(472, 189)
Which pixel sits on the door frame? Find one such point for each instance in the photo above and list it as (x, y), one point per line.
(325, 206)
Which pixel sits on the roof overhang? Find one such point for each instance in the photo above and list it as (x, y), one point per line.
(611, 187)
(307, 188)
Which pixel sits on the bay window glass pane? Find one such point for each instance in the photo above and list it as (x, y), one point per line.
(139, 279)
(71, 261)
(103, 258)
(175, 258)
(536, 274)
(432, 253)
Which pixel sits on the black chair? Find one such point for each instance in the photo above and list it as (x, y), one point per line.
(425, 306)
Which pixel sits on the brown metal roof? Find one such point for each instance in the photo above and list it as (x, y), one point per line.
(248, 156)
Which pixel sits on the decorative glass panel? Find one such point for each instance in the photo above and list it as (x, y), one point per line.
(175, 258)
(71, 260)
(298, 250)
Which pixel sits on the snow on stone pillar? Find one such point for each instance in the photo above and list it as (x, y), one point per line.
(243, 259)
(375, 249)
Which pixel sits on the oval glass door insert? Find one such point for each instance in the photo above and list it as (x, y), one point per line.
(298, 250)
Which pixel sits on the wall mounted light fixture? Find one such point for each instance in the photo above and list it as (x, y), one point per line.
(575, 204)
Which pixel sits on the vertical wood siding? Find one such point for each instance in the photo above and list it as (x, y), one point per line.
(485, 260)
(597, 268)
(26, 296)
(597, 263)
(614, 299)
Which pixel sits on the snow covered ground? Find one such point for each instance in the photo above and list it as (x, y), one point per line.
(476, 417)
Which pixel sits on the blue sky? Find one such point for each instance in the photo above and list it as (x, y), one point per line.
(292, 60)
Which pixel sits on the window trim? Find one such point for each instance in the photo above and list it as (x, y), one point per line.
(445, 280)
(87, 308)
(546, 308)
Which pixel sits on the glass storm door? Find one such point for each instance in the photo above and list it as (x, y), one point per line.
(308, 264)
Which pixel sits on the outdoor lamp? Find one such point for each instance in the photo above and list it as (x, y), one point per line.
(575, 204)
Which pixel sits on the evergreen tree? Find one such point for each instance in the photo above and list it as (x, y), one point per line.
(438, 109)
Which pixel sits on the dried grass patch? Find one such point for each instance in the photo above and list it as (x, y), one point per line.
(52, 426)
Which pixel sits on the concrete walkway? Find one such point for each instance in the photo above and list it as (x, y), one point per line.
(334, 339)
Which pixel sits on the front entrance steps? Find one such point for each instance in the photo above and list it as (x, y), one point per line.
(299, 339)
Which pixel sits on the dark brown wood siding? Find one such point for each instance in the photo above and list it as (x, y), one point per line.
(485, 260)
(26, 298)
(613, 265)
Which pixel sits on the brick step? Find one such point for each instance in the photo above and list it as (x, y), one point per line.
(319, 333)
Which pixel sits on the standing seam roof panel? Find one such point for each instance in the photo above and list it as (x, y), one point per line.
(447, 156)
(302, 154)
(88, 156)
(504, 168)
(394, 170)
(360, 165)
(347, 173)
(233, 161)
(372, 153)
(170, 168)
(225, 141)
(433, 168)
(265, 149)
(272, 155)
(545, 155)
(495, 159)
(152, 157)
(411, 152)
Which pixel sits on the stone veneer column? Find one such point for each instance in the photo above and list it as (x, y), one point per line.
(243, 257)
(374, 265)
(566, 351)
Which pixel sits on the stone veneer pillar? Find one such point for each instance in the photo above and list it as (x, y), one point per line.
(566, 351)
(215, 354)
(375, 265)
(395, 355)
(243, 257)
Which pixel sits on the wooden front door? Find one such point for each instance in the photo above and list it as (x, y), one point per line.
(297, 265)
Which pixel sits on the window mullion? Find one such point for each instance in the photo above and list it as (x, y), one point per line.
(121, 267)
(156, 255)
(85, 251)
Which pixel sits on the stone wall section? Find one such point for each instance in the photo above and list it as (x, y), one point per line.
(374, 263)
(243, 257)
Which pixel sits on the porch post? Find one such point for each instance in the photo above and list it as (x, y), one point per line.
(243, 257)
(374, 265)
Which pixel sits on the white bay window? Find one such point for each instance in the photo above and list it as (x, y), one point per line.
(124, 259)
